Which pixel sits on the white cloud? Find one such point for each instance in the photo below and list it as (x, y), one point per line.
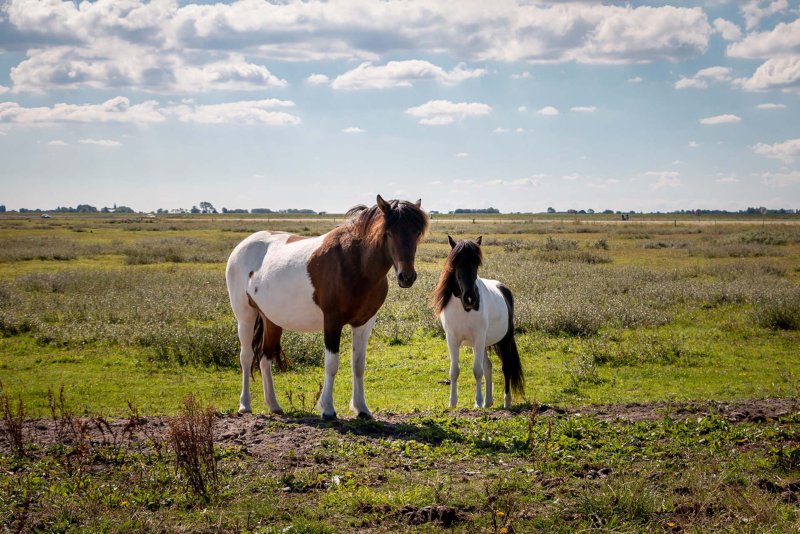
(755, 10)
(3, 89)
(442, 112)
(786, 151)
(353, 130)
(721, 119)
(728, 30)
(781, 179)
(612, 181)
(117, 109)
(770, 105)
(460, 181)
(584, 109)
(521, 75)
(435, 182)
(522, 109)
(635, 79)
(782, 40)
(693, 144)
(664, 179)
(548, 111)
(570, 177)
(108, 143)
(520, 130)
(402, 74)
(317, 79)
(462, 155)
(777, 73)
(242, 112)
(701, 77)
(57, 142)
(500, 130)
(726, 179)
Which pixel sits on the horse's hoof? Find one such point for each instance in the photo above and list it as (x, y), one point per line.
(243, 411)
(329, 416)
(279, 411)
(365, 416)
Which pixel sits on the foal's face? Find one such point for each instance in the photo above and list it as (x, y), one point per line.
(466, 263)
(403, 230)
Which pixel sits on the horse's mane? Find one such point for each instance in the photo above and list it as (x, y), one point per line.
(464, 250)
(370, 224)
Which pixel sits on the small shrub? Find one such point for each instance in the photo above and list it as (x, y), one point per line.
(191, 438)
(13, 422)
(779, 312)
(551, 244)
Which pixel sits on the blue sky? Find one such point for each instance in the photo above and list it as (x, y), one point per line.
(518, 105)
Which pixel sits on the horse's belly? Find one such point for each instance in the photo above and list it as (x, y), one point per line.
(283, 291)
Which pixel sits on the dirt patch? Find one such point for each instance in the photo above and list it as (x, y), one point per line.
(288, 441)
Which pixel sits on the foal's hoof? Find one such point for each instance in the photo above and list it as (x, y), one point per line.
(329, 416)
(365, 416)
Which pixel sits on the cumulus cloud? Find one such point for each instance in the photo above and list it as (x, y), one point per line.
(242, 112)
(782, 73)
(402, 74)
(770, 105)
(108, 143)
(548, 111)
(701, 78)
(118, 109)
(584, 109)
(353, 130)
(635, 79)
(521, 75)
(57, 142)
(317, 79)
(442, 112)
(721, 119)
(755, 10)
(664, 179)
(782, 40)
(727, 29)
(786, 151)
(167, 45)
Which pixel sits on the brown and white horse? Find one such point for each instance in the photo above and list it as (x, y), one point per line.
(482, 316)
(280, 281)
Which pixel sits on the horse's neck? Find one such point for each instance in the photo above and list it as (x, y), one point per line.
(374, 261)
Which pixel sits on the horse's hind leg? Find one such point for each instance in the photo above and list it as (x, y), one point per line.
(487, 372)
(359, 363)
(272, 351)
(247, 321)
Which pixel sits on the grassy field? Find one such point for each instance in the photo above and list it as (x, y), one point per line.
(129, 311)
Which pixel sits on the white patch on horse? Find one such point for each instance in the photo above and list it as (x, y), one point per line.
(285, 292)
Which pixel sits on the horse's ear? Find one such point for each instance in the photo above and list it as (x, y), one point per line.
(418, 202)
(478, 241)
(383, 205)
(452, 243)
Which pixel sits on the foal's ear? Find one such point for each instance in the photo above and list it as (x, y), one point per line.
(478, 241)
(418, 202)
(452, 243)
(383, 205)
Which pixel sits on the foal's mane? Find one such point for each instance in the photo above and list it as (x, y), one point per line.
(464, 251)
(370, 224)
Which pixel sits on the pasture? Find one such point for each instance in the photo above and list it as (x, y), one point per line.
(696, 320)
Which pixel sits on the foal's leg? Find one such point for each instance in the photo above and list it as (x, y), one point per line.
(247, 322)
(487, 371)
(478, 352)
(359, 362)
(453, 345)
(333, 337)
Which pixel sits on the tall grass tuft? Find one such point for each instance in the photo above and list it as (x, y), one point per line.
(13, 418)
(779, 311)
(191, 438)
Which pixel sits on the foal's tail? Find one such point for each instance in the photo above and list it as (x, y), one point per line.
(506, 348)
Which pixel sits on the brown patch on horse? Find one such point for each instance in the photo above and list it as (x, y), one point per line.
(295, 237)
(348, 271)
(447, 287)
(266, 341)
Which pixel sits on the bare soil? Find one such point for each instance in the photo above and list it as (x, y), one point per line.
(289, 440)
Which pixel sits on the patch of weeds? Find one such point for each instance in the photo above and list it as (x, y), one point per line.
(191, 437)
(13, 419)
(616, 503)
(582, 370)
(780, 311)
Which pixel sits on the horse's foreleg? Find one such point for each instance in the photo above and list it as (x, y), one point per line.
(478, 351)
(245, 331)
(359, 362)
(487, 371)
(453, 346)
(333, 337)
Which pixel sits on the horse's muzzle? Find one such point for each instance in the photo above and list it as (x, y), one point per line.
(406, 279)
(469, 302)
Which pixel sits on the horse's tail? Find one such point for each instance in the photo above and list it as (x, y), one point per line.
(261, 345)
(506, 348)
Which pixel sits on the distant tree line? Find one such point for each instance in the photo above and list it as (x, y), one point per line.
(467, 211)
